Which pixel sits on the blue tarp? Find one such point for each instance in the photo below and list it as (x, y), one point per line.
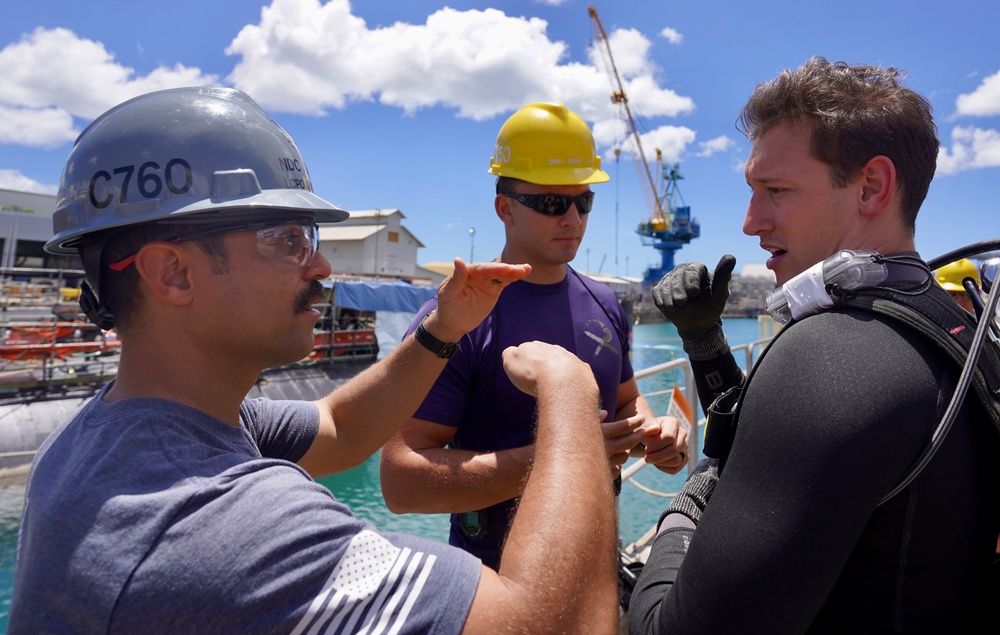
(368, 296)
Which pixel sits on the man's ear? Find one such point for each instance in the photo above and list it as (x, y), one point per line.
(503, 209)
(878, 185)
(163, 266)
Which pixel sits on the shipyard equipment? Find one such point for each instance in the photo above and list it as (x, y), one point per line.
(670, 225)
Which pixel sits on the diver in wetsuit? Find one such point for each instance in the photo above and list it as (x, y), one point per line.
(791, 536)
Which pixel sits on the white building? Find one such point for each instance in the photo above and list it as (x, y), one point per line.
(25, 225)
(372, 243)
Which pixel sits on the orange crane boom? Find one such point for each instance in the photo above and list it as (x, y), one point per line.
(670, 226)
(618, 97)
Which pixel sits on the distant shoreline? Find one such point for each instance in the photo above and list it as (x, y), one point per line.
(652, 315)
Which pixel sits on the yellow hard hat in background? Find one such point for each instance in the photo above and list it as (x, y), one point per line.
(547, 144)
(951, 275)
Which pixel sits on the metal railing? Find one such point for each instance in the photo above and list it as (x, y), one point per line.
(750, 352)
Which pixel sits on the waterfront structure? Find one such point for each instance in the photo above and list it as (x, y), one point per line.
(373, 243)
(25, 225)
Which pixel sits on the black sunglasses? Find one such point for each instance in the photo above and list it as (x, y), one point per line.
(554, 204)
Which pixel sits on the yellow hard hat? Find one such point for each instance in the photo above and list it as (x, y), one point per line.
(547, 144)
(951, 275)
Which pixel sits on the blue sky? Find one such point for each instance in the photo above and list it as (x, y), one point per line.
(397, 104)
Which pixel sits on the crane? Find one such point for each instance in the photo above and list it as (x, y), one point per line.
(670, 225)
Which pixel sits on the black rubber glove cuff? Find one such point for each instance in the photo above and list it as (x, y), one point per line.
(710, 344)
(694, 495)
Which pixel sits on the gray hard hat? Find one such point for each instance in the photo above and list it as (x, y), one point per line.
(180, 152)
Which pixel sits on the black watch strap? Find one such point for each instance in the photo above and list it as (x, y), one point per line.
(441, 349)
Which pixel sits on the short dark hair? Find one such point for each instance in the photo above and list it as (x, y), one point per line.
(119, 289)
(506, 185)
(856, 112)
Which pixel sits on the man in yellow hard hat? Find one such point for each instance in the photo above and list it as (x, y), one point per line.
(468, 447)
(950, 278)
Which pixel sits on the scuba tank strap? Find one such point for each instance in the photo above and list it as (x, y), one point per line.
(931, 312)
(935, 315)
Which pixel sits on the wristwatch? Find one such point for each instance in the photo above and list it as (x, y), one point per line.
(444, 350)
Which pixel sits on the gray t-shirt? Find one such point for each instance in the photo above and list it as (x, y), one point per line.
(147, 516)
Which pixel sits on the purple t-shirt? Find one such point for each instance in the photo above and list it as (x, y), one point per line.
(474, 394)
(146, 516)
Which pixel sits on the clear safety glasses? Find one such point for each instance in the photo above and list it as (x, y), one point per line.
(554, 204)
(294, 242)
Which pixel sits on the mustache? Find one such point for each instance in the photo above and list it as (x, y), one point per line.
(308, 296)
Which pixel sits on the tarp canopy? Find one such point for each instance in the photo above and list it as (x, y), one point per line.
(400, 297)
(394, 304)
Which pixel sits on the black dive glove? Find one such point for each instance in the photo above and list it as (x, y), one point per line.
(693, 300)
(694, 495)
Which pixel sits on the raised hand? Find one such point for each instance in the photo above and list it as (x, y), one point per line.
(692, 299)
(468, 295)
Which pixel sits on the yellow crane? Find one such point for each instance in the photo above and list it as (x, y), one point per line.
(670, 226)
(619, 98)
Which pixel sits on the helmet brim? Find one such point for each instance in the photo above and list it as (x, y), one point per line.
(279, 204)
(574, 176)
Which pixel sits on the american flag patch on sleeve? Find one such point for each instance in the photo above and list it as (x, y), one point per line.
(372, 589)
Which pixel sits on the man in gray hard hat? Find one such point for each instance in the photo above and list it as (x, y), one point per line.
(171, 503)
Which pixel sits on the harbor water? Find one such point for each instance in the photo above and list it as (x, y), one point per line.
(359, 487)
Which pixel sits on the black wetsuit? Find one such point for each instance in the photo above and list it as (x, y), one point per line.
(793, 539)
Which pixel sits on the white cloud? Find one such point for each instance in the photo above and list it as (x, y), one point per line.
(630, 48)
(671, 141)
(307, 57)
(650, 100)
(971, 148)
(14, 180)
(51, 76)
(982, 102)
(646, 98)
(36, 127)
(672, 35)
(713, 146)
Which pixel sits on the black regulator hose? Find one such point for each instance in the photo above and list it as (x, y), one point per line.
(964, 252)
(964, 380)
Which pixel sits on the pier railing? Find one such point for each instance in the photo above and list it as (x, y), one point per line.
(636, 551)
